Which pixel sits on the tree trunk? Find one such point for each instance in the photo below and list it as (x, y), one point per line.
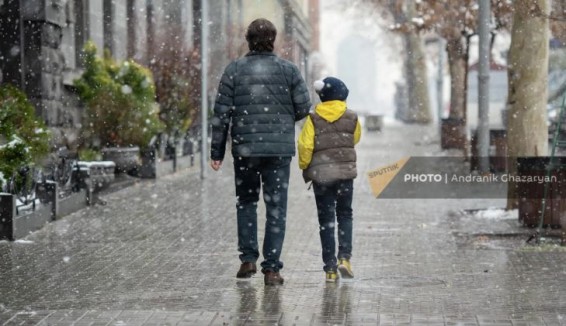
(457, 66)
(417, 81)
(416, 74)
(454, 129)
(527, 132)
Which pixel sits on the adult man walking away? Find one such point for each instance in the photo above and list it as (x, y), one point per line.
(260, 96)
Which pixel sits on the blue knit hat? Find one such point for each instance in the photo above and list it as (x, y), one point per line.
(331, 89)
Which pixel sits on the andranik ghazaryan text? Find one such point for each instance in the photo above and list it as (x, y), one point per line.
(504, 178)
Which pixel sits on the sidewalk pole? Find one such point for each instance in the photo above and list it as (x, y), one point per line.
(7, 216)
(483, 85)
(440, 82)
(204, 89)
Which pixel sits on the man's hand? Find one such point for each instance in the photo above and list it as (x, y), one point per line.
(215, 165)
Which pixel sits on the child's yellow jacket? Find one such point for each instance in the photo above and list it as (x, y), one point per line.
(329, 111)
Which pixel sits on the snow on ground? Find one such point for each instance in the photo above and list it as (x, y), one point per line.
(497, 214)
(22, 241)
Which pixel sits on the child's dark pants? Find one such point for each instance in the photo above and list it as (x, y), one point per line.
(334, 203)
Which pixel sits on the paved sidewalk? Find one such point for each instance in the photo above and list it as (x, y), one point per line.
(164, 253)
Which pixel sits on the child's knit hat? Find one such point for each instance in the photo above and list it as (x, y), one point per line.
(331, 89)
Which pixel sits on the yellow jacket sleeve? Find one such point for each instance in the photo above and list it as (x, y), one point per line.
(357, 133)
(306, 144)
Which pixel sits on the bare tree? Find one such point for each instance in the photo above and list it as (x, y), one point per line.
(558, 20)
(558, 28)
(416, 72)
(177, 79)
(403, 14)
(527, 131)
(456, 22)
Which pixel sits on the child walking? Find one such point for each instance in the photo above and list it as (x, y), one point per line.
(328, 159)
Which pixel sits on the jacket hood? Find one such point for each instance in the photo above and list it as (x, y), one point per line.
(331, 110)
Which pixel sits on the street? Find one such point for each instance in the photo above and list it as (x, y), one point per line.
(164, 252)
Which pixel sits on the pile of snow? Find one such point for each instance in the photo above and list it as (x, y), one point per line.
(497, 214)
(22, 241)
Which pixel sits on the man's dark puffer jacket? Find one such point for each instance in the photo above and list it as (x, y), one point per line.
(262, 96)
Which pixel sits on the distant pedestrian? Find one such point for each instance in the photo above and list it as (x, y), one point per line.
(328, 159)
(259, 99)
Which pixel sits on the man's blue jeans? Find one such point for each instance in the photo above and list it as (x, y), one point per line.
(251, 175)
(334, 203)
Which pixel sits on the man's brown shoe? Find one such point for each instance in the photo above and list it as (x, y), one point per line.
(273, 278)
(247, 270)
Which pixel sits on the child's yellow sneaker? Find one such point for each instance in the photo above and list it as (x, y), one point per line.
(345, 268)
(331, 276)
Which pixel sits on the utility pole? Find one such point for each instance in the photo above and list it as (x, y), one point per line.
(204, 88)
(22, 47)
(440, 81)
(483, 86)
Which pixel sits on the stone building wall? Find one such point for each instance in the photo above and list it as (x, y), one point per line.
(10, 42)
(44, 60)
